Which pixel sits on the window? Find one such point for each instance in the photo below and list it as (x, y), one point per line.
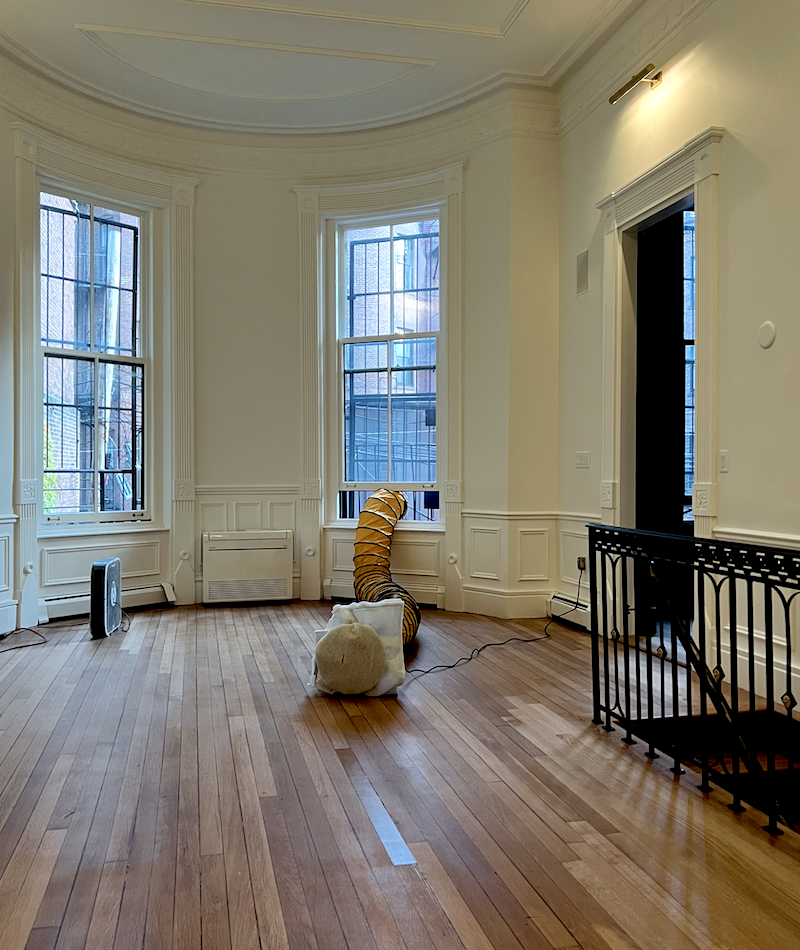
(388, 343)
(689, 358)
(94, 371)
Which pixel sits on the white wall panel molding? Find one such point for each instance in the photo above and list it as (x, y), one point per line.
(488, 114)
(695, 168)
(533, 554)
(67, 565)
(635, 44)
(41, 156)
(416, 563)
(509, 554)
(8, 605)
(248, 508)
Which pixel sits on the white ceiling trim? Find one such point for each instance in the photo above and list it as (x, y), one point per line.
(91, 28)
(377, 20)
(414, 65)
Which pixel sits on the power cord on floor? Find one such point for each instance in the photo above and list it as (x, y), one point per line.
(501, 643)
(124, 627)
(20, 646)
(573, 607)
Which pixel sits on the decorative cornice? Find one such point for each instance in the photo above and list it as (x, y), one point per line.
(508, 107)
(646, 32)
(505, 105)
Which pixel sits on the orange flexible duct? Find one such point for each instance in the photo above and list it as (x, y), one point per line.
(373, 580)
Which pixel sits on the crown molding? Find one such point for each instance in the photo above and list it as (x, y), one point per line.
(646, 32)
(514, 108)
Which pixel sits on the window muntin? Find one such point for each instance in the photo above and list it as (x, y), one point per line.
(388, 342)
(94, 366)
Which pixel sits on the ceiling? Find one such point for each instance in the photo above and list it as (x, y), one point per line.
(302, 66)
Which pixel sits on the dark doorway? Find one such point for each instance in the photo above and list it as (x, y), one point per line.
(665, 372)
(665, 395)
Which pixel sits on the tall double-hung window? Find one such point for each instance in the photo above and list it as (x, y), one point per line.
(94, 366)
(388, 350)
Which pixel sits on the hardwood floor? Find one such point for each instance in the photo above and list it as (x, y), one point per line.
(179, 785)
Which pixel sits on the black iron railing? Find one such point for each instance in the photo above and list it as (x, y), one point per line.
(694, 652)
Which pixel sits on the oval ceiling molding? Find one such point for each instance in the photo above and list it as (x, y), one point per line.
(245, 69)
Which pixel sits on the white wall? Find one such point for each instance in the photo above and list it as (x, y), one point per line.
(734, 65)
(248, 357)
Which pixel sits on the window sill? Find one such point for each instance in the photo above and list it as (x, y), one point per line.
(99, 529)
(423, 526)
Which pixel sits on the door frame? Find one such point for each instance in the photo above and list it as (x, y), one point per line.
(693, 169)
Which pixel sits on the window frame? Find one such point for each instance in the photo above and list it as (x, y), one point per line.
(439, 335)
(333, 371)
(144, 306)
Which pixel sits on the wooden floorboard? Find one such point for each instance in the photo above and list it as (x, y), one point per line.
(181, 786)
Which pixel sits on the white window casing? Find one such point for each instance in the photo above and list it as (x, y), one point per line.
(321, 211)
(165, 203)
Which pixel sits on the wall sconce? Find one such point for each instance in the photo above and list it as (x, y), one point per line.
(642, 76)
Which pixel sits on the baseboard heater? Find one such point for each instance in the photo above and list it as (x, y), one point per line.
(560, 605)
(247, 566)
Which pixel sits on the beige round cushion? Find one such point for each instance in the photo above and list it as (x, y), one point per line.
(351, 658)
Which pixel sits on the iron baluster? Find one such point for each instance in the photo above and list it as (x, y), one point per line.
(733, 663)
(629, 740)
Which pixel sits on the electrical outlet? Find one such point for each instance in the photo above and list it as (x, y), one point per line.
(581, 563)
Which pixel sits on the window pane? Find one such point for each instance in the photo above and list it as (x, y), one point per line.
(65, 267)
(368, 278)
(417, 281)
(68, 435)
(115, 280)
(365, 412)
(414, 412)
(120, 420)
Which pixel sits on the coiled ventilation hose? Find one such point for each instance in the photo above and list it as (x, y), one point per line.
(373, 548)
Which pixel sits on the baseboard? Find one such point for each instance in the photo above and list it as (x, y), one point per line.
(506, 605)
(561, 605)
(51, 608)
(8, 617)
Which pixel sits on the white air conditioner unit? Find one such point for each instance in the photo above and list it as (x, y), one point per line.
(247, 565)
(560, 605)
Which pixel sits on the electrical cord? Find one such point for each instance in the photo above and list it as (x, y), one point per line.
(124, 627)
(573, 607)
(478, 650)
(21, 646)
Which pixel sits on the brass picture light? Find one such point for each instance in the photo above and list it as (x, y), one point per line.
(644, 75)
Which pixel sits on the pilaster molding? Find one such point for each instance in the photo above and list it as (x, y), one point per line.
(636, 43)
(181, 248)
(694, 168)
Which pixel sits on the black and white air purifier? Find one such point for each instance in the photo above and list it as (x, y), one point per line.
(105, 612)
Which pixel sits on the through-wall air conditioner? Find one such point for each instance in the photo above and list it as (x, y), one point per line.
(247, 565)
